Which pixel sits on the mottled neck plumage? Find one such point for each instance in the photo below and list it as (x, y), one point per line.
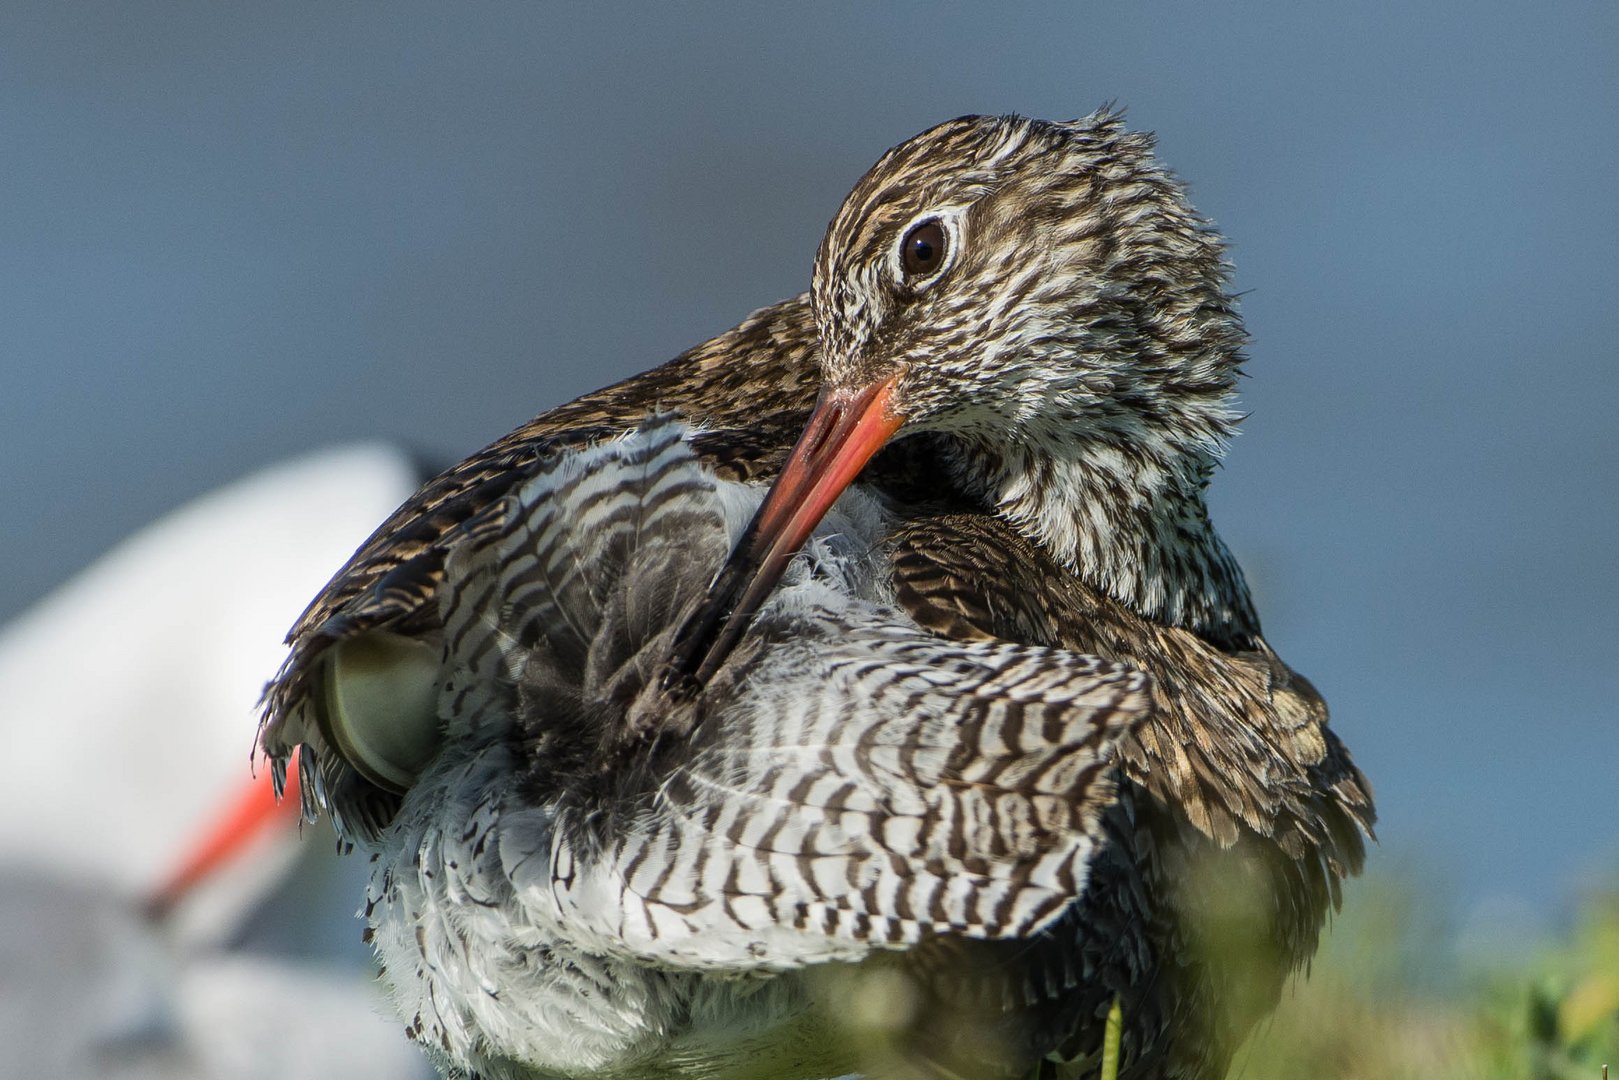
(1129, 521)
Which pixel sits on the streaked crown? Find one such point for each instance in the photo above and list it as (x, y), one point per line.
(1025, 276)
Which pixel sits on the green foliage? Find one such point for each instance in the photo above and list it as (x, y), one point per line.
(1381, 1005)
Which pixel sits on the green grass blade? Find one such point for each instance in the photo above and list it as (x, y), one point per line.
(1112, 1036)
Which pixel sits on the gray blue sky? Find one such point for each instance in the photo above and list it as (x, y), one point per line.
(229, 233)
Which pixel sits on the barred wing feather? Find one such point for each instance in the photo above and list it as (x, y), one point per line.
(873, 787)
(847, 782)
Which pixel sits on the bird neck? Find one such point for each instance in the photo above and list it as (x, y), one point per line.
(1130, 521)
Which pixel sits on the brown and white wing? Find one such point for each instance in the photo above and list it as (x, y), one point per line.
(753, 384)
(847, 782)
(866, 785)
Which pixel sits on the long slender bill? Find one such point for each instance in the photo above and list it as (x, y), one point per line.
(844, 432)
(252, 808)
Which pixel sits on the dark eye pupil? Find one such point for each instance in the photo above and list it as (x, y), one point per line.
(923, 252)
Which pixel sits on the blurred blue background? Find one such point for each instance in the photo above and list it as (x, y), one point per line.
(230, 233)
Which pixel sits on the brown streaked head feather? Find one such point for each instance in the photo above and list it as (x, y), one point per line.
(1081, 288)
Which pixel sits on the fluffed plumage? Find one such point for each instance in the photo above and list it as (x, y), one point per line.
(1060, 377)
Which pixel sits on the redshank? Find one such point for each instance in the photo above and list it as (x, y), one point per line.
(1020, 350)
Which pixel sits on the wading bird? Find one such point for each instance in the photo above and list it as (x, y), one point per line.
(632, 800)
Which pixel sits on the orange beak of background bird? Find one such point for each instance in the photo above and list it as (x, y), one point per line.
(844, 432)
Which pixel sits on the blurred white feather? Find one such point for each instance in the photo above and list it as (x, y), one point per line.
(127, 710)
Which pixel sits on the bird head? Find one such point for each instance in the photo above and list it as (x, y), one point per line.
(1013, 278)
(1014, 283)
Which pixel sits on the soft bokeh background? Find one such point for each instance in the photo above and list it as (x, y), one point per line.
(231, 233)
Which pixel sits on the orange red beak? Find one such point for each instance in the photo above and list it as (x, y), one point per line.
(251, 810)
(844, 432)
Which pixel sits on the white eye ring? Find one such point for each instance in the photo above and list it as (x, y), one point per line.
(926, 249)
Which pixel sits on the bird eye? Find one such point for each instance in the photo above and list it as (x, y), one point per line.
(923, 250)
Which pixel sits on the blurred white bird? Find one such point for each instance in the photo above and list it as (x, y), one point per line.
(126, 708)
